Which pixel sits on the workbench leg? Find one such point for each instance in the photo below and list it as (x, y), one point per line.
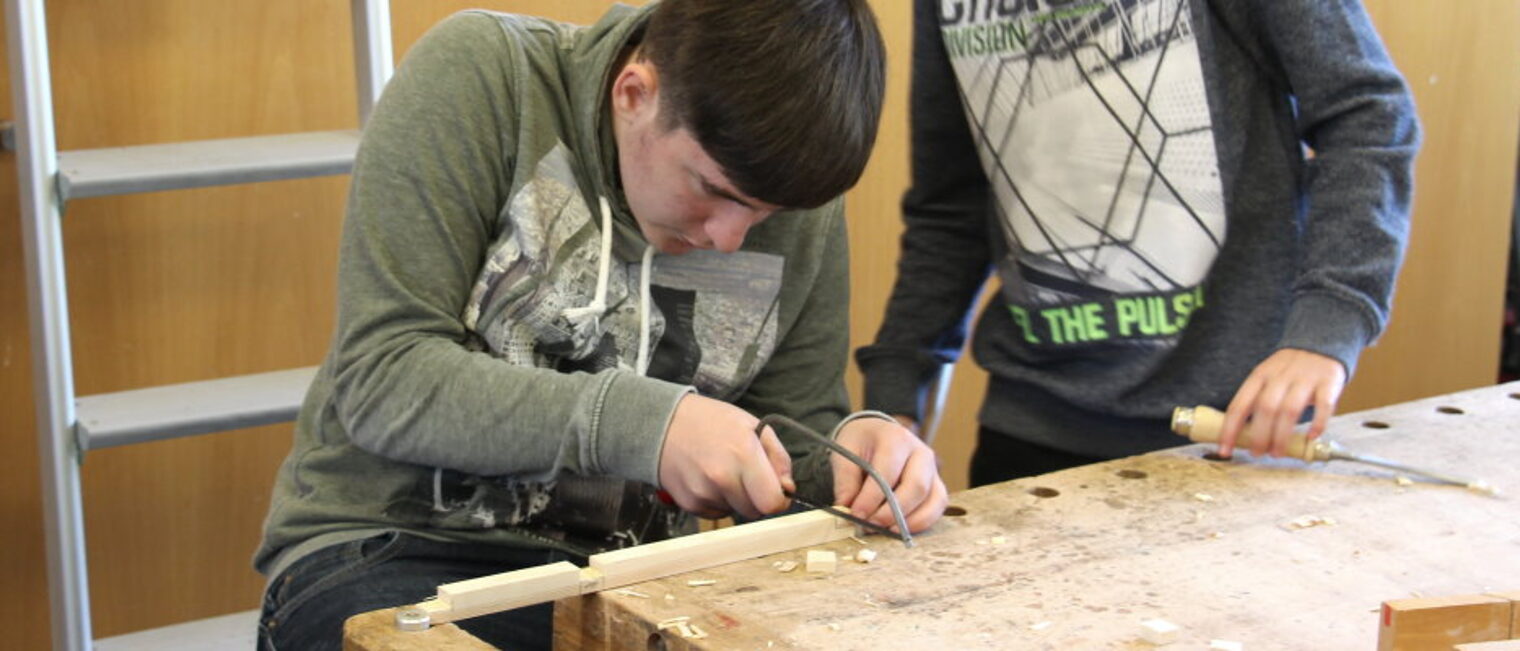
(580, 624)
(590, 623)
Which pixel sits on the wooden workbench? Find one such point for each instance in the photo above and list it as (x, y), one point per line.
(1079, 558)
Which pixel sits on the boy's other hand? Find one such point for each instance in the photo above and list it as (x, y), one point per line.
(903, 460)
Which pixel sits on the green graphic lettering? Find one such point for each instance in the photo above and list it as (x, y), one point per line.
(1182, 304)
(1127, 315)
(1093, 322)
(1164, 315)
(1075, 323)
(1021, 317)
(990, 38)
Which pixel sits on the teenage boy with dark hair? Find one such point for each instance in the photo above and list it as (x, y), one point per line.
(1137, 174)
(512, 356)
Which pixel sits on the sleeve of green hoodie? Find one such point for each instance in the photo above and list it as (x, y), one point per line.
(431, 177)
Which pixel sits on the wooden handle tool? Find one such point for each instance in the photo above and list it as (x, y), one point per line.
(1204, 424)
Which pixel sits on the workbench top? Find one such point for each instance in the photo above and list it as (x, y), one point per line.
(1077, 559)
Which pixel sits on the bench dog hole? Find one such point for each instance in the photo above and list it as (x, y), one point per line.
(1041, 491)
(1132, 474)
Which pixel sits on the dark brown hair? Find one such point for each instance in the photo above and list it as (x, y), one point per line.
(785, 95)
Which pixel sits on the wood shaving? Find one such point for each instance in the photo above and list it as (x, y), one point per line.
(865, 556)
(784, 566)
(1040, 626)
(630, 593)
(1159, 631)
(1307, 521)
(1203, 497)
(697, 583)
(668, 623)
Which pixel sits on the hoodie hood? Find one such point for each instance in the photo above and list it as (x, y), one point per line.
(595, 49)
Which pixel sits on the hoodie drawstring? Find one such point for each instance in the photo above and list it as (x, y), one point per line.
(582, 317)
(645, 271)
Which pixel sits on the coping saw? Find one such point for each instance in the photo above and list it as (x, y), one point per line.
(886, 490)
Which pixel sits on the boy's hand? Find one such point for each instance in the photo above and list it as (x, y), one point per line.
(905, 461)
(713, 464)
(1270, 402)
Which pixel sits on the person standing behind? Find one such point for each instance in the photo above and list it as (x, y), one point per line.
(1186, 202)
(577, 264)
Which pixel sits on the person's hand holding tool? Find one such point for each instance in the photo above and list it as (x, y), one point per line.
(903, 460)
(713, 464)
(1269, 404)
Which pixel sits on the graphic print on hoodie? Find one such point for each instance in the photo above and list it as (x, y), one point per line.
(712, 325)
(1094, 129)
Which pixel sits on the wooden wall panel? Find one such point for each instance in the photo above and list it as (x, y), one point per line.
(172, 287)
(1460, 59)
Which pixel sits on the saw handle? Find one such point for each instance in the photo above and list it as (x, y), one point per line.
(1203, 424)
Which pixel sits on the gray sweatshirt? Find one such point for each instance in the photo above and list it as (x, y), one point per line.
(1135, 174)
(486, 361)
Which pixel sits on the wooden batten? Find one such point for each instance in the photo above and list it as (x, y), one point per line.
(545, 583)
(719, 547)
(505, 591)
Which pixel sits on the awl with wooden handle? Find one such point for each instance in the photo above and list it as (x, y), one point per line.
(1203, 424)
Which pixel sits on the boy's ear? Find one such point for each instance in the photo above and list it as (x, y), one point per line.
(635, 91)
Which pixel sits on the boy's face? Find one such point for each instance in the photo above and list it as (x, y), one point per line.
(678, 194)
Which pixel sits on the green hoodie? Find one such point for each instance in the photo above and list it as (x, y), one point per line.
(486, 350)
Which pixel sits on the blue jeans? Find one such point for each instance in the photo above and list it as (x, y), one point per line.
(306, 605)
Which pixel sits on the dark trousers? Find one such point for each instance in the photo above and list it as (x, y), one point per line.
(1000, 457)
(306, 605)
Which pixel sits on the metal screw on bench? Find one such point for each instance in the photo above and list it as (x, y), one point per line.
(413, 619)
